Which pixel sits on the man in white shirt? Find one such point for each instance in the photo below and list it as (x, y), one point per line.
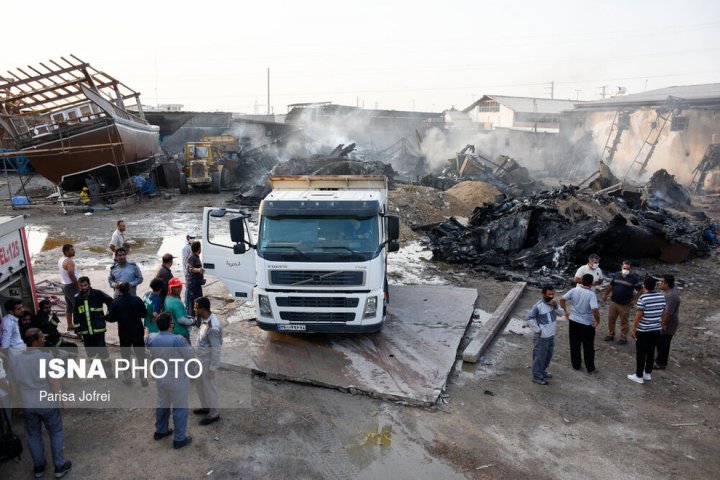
(592, 268)
(118, 237)
(66, 269)
(209, 344)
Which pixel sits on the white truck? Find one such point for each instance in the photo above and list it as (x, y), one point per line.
(319, 263)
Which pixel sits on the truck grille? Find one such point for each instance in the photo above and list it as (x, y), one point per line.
(316, 278)
(317, 302)
(197, 171)
(317, 317)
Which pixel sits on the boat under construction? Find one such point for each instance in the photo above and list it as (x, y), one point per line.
(71, 121)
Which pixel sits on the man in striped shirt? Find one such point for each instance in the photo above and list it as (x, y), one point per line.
(646, 330)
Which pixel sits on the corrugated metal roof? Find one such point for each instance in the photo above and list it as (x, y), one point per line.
(708, 93)
(528, 104)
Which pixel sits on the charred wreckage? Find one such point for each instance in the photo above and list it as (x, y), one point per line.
(542, 237)
(532, 232)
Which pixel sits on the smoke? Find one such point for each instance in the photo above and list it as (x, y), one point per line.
(332, 129)
(436, 149)
(535, 151)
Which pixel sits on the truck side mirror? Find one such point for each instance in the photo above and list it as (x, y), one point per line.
(393, 246)
(393, 227)
(237, 229)
(239, 248)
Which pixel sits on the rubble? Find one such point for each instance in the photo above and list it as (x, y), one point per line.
(546, 235)
(666, 192)
(505, 173)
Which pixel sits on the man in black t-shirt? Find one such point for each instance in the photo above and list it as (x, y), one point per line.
(623, 287)
(195, 277)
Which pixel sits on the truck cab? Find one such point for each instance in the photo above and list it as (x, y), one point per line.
(319, 261)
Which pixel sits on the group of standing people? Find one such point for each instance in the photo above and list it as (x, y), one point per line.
(157, 322)
(654, 324)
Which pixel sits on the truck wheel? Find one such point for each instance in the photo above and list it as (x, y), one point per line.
(215, 176)
(183, 184)
(225, 178)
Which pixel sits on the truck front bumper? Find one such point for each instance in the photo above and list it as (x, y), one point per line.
(319, 327)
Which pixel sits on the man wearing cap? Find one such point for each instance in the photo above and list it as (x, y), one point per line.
(175, 307)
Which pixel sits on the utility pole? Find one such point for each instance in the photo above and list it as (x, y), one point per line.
(577, 94)
(552, 89)
(268, 105)
(602, 91)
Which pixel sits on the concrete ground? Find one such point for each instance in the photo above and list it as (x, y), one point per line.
(492, 421)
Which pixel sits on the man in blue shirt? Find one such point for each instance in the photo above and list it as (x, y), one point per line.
(542, 320)
(584, 317)
(10, 325)
(124, 271)
(172, 389)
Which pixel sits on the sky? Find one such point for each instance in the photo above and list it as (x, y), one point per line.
(394, 54)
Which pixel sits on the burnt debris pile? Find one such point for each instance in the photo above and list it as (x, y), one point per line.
(666, 192)
(545, 235)
(504, 173)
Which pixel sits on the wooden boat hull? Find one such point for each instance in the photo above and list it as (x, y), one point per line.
(66, 165)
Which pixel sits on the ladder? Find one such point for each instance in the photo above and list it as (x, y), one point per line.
(710, 161)
(664, 113)
(621, 122)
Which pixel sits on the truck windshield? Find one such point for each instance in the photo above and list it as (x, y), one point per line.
(318, 239)
(198, 152)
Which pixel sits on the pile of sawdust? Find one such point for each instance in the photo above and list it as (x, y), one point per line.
(420, 205)
(473, 194)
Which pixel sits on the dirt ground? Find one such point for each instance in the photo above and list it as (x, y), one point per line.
(493, 422)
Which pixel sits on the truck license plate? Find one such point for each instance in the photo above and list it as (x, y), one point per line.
(293, 328)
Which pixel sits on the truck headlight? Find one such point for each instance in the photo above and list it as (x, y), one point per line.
(370, 307)
(264, 304)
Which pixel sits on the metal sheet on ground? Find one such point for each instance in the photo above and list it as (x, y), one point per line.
(409, 360)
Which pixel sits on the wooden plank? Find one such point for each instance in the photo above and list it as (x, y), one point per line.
(497, 320)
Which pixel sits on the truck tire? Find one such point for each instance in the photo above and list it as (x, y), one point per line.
(183, 184)
(215, 186)
(225, 178)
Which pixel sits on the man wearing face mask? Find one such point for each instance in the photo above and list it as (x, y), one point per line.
(542, 320)
(592, 268)
(625, 288)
